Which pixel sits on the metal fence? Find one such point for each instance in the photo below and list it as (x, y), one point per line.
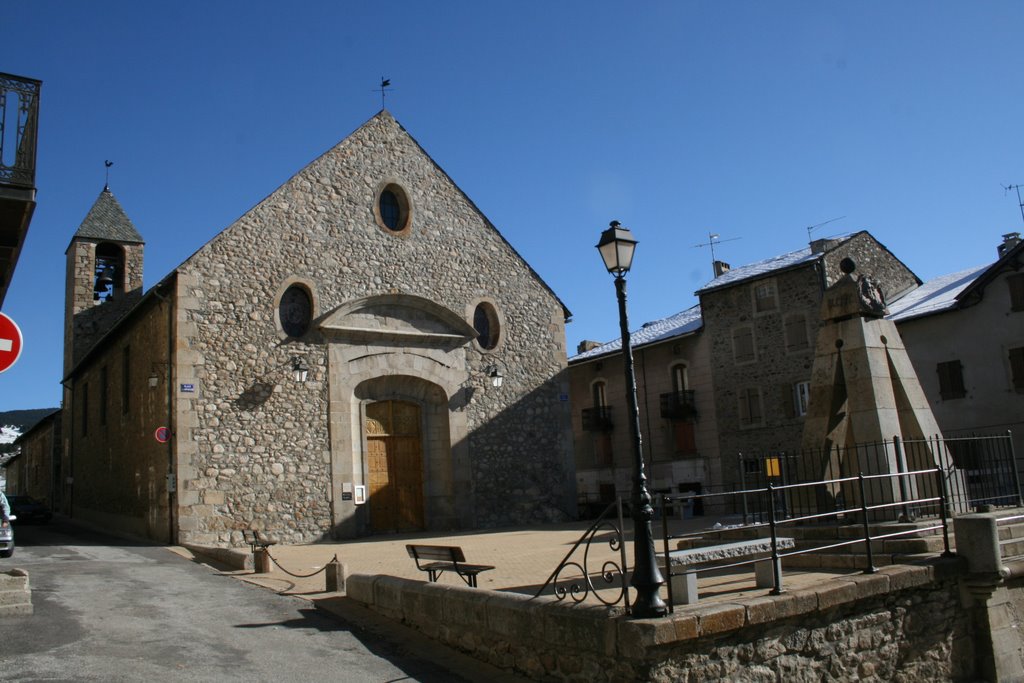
(978, 471)
(772, 500)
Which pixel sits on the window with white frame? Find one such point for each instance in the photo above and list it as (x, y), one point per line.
(801, 397)
(765, 297)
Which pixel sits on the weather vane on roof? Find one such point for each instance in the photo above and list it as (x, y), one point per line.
(384, 83)
(106, 181)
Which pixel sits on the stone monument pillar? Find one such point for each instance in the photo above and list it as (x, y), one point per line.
(864, 391)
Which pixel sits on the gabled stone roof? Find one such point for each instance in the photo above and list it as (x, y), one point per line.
(106, 220)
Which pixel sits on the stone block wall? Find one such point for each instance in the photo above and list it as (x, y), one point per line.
(15, 594)
(119, 470)
(901, 624)
(256, 446)
(776, 368)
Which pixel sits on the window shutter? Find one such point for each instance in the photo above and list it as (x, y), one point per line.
(1017, 367)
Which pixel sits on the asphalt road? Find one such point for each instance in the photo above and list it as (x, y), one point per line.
(107, 609)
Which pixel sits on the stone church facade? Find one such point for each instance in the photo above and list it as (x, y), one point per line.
(329, 366)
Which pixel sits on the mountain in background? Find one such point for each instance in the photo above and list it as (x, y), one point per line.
(14, 423)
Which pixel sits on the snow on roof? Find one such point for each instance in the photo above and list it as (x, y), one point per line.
(675, 325)
(935, 295)
(760, 268)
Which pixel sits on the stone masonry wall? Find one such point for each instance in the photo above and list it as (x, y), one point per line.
(256, 445)
(902, 624)
(776, 369)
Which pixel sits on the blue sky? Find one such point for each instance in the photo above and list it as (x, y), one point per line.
(747, 119)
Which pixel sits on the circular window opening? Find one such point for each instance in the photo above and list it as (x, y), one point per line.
(393, 207)
(296, 311)
(485, 322)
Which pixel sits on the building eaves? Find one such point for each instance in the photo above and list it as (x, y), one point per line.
(1011, 259)
(147, 300)
(107, 221)
(768, 266)
(40, 423)
(935, 296)
(674, 326)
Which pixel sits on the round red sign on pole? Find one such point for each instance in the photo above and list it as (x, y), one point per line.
(162, 434)
(10, 342)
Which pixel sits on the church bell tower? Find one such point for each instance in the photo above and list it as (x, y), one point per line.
(104, 276)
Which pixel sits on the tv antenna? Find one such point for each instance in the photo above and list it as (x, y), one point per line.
(812, 228)
(1007, 188)
(713, 239)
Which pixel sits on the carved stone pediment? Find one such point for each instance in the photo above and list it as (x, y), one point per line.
(397, 320)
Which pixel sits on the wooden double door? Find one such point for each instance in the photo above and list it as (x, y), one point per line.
(394, 466)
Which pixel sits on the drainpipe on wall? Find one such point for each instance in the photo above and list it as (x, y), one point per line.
(168, 299)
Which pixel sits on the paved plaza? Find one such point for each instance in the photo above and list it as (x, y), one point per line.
(523, 560)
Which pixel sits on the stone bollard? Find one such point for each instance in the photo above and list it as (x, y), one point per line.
(335, 574)
(997, 642)
(977, 540)
(261, 561)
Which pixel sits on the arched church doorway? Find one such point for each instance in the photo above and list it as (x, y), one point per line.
(394, 466)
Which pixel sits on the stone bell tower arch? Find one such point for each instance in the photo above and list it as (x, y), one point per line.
(104, 275)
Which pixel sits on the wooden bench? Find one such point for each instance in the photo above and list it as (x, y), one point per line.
(684, 583)
(255, 541)
(437, 559)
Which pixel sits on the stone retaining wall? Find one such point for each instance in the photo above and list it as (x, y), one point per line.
(15, 594)
(903, 622)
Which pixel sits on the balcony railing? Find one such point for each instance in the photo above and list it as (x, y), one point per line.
(597, 419)
(19, 118)
(678, 405)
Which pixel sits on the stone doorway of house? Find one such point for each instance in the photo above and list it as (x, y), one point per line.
(394, 466)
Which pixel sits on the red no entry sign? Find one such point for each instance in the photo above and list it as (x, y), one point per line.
(10, 342)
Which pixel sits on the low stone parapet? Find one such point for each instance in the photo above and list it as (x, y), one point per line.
(839, 624)
(15, 593)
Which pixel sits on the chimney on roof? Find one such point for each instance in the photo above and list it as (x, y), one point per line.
(721, 268)
(1010, 240)
(586, 345)
(823, 245)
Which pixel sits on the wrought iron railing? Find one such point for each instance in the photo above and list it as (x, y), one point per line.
(978, 471)
(574, 577)
(597, 419)
(19, 119)
(865, 511)
(678, 405)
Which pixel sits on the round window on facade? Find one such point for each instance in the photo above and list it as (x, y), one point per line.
(296, 311)
(485, 322)
(393, 208)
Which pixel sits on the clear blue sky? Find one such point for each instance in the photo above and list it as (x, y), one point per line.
(752, 120)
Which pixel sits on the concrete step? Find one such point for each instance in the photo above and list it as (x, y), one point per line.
(15, 597)
(16, 610)
(15, 594)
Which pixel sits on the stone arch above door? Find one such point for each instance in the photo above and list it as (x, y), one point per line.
(435, 448)
(398, 320)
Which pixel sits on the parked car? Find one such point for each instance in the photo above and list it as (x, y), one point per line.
(29, 509)
(7, 539)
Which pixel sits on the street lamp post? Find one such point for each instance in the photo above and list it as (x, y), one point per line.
(617, 246)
